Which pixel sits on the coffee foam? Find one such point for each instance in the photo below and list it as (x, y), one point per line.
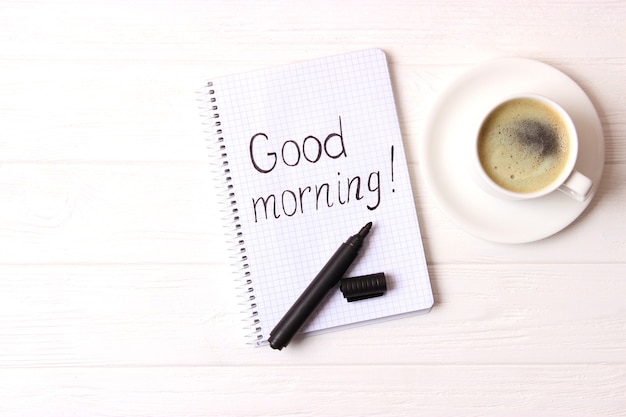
(523, 145)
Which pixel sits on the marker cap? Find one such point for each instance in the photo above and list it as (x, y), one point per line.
(363, 287)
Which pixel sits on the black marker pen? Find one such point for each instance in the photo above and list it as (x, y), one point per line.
(327, 278)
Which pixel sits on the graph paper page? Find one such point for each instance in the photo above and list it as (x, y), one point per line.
(315, 152)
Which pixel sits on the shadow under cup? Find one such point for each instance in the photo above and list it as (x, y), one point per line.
(526, 147)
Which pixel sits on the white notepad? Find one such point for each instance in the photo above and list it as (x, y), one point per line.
(307, 154)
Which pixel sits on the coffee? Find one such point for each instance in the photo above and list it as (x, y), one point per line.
(523, 145)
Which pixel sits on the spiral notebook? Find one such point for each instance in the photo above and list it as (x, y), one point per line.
(306, 154)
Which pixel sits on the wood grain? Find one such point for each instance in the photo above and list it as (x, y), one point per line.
(116, 291)
(169, 213)
(169, 315)
(555, 390)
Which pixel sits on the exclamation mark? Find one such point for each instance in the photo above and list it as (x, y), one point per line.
(393, 189)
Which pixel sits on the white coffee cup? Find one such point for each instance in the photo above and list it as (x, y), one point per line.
(525, 147)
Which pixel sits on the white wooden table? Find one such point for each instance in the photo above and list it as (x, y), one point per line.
(116, 298)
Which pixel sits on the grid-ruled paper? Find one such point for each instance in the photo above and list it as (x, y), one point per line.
(326, 132)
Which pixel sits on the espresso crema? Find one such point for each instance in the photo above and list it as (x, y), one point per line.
(523, 145)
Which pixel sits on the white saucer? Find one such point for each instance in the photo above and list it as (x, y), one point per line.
(452, 121)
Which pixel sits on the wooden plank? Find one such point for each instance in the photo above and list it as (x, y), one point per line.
(92, 125)
(451, 390)
(77, 213)
(167, 213)
(150, 315)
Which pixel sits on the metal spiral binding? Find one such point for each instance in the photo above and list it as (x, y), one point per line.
(219, 156)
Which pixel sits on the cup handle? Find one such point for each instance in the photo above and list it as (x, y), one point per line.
(577, 186)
